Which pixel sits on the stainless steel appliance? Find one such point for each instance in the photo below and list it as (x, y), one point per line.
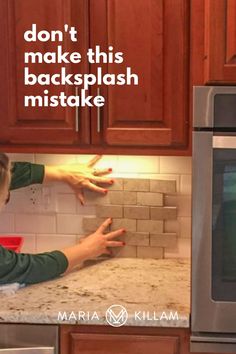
(213, 309)
(28, 339)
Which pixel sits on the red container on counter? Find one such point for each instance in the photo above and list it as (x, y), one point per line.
(13, 243)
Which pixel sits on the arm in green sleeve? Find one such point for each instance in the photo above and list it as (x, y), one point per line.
(25, 174)
(30, 268)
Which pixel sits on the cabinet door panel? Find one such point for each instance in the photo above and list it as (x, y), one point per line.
(122, 344)
(220, 41)
(153, 35)
(40, 125)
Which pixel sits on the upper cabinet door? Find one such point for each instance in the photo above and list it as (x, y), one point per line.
(39, 125)
(220, 41)
(153, 35)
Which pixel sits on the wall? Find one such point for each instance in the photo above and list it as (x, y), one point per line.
(51, 217)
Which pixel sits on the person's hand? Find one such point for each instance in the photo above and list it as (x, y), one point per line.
(99, 242)
(93, 245)
(80, 177)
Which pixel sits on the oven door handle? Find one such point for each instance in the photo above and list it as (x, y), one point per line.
(224, 142)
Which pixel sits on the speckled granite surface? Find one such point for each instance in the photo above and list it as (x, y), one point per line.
(152, 291)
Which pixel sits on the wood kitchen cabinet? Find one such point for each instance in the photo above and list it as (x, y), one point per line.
(128, 340)
(151, 118)
(88, 339)
(153, 35)
(38, 125)
(213, 33)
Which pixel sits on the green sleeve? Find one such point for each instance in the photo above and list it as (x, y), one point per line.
(26, 173)
(30, 268)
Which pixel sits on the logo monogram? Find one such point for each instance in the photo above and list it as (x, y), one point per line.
(116, 315)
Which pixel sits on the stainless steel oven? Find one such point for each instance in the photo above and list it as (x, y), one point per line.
(213, 309)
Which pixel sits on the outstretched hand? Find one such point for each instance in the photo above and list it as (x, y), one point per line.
(80, 177)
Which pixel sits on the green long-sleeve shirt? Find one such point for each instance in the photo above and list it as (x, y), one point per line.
(29, 268)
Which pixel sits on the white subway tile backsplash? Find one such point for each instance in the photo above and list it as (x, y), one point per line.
(108, 161)
(59, 223)
(52, 242)
(85, 210)
(182, 202)
(182, 249)
(29, 245)
(22, 157)
(185, 227)
(138, 164)
(186, 184)
(55, 159)
(7, 223)
(31, 223)
(66, 203)
(172, 226)
(69, 223)
(178, 165)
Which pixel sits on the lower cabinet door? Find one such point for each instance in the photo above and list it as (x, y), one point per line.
(82, 343)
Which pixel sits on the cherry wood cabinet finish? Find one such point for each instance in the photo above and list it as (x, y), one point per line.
(155, 113)
(149, 119)
(213, 38)
(89, 339)
(44, 125)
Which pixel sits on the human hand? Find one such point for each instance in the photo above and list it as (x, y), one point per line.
(80, 177)
(99, 242)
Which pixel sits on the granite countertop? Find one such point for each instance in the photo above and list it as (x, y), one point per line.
(150, 290)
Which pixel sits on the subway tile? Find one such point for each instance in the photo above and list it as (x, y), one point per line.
(127, 224)
(22, 157)
(163, 186)
(137, 164)
(163, 177)
(61, 188)
(91, 224)
(29, 245)
(117, 185)
(122, 197)
(123, 175)
(150, 199)
(69, 223)
(66, 203)
(175, 164)
(137, 185)
(152, 226)
(182, 249)
(136, 212)
(163, 213)
(163, 240)
(108, 161)
(109, 211)
(7, 222)
(93, 198)
(185, 227)
(186, 184)
(124, 252)
(31, 223)
(32, 199)
(182, 202)
(55, 159)
(53, 242)
(136, 238)
(86, 209)
(150, 252)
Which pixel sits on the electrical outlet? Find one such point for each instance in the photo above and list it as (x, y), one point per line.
(41, 199)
